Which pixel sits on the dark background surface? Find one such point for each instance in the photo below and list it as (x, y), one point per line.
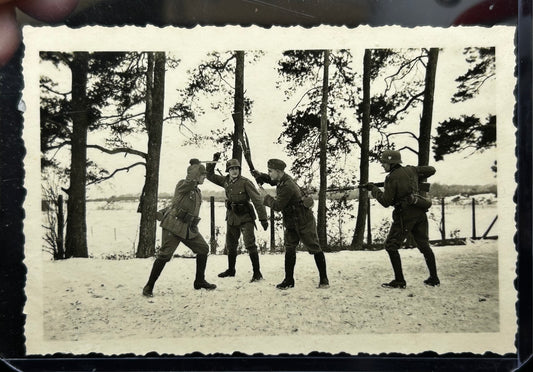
(308, 13)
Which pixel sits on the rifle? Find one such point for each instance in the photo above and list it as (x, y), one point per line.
(243, 141)
(350, 188)
(422, 186)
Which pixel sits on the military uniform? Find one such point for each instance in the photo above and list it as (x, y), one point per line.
(298, 221)
(408, 216)
(180, 224)
(240, 216)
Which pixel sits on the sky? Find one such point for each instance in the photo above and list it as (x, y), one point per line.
(269, 110)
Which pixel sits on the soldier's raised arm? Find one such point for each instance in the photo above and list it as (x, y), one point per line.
(210, 168)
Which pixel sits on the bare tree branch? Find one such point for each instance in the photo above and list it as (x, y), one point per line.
(404, 108)
(403, 132)
(410, 63)
(483, 81)
(302, 97)
(408, 148)
(127, 169)
(54, 91)
(119, 150)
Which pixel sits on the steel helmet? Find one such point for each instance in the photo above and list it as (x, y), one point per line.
(232, 163)
(391, 157)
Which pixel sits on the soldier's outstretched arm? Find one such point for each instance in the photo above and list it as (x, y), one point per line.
(385, 197)
(281, 200)
(262, 178)
(256, 200)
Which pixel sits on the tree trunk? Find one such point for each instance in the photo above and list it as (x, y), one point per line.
(155, 93)
(60, 229)
(424, 139)
(239, 104)
(362, 208)
(321, 217)
(76, 236)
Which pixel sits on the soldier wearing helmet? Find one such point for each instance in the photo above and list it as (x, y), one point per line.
(409, 215)
(180, 224)
(240, 214)
(298, 220)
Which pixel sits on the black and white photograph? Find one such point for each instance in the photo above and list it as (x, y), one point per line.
(282, 190)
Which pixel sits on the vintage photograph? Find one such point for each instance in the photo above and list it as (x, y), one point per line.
(269, 191)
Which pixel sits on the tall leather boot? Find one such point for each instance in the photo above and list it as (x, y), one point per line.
(320, 261)
(290, 262)
(200, 282)
(232, 259)
(157, 267)
(254, 257)
(433, 279)
(396, 261)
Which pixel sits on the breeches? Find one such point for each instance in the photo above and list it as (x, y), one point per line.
(170, 242)
(306, 234)
(233, 234)
(412, 221)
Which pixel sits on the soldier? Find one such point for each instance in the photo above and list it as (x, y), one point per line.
(180, 224)
(240, 215)
(409, 215)
(298, 220)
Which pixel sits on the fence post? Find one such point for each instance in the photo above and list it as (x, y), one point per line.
(490, 227)
(473, 218)
(443, 219)
(212, 240)
(60, 227)
(369, 230)
(272, 231)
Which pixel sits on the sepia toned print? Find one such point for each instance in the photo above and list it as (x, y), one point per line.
(369, 171)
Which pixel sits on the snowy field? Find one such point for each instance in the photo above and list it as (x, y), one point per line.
(95, 299)
(113, 228)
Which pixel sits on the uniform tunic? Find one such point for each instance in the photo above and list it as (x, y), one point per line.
(181, 219)
(400, 183)
(299, 221)
(240, 215)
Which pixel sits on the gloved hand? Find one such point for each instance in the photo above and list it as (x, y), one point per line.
(255, 173)
(216, 156)
(368, 186)
(264, 223)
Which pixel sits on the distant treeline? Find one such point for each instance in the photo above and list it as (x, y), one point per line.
(437, 190)
(441, 191)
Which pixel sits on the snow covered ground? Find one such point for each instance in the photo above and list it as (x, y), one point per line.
(85, 300)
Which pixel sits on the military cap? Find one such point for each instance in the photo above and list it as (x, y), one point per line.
(276, 164)
(391, 157)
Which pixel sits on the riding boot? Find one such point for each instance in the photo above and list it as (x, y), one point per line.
(200, 282)
(320, 261)
(254, 257)
(157, 267)
(396, 261)
(290, 262)
(433, 279)
(232, 259)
